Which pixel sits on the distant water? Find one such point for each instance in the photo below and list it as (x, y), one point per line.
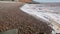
(47, 0)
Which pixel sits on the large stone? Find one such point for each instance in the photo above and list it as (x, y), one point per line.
(14, 31)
